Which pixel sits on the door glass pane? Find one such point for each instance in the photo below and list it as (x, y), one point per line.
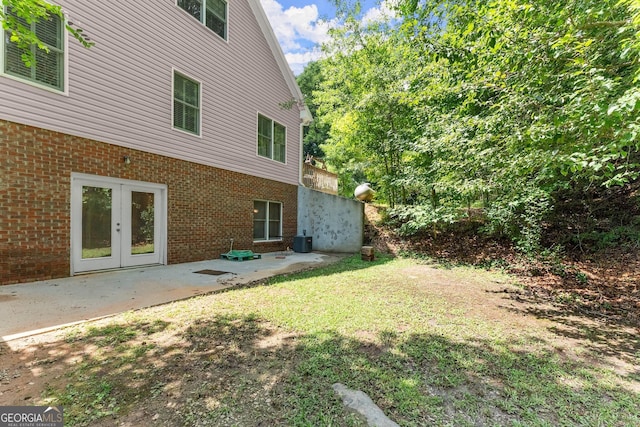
(142, 223)
(96, 222)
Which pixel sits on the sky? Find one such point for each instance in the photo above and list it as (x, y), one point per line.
(302, 25)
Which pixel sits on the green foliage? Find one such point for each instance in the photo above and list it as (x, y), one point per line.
(363, 97)
(500, 102)
(22, 13)
(413, 220)
(620, 236)
(317, 132)
(96, 395)
(147, 228)
(520, 217)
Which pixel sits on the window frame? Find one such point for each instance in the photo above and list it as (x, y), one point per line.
(64, 67)
(267, 221)
(203, 17)
(271, 151)
(175, 72)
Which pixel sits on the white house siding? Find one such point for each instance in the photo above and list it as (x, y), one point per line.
(119, 91)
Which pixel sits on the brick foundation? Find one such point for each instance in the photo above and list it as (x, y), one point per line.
(206, 206)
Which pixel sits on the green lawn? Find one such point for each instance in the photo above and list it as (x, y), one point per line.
(420, 341)
(96, 252)
(105, 252)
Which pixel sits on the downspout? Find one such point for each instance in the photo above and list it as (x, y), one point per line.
(305, 120)
(301, 157)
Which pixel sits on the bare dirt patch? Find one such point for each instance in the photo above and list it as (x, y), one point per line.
(588, 301)
(603, 285)
(521, 308)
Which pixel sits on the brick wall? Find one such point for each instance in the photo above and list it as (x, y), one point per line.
(206, 206)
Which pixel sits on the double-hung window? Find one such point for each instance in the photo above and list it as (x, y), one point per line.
(212, 13)
(186, 104)
(272, 138)
(48, 68)
(267, 220)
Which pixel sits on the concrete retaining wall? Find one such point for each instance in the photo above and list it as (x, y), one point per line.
(335, 223)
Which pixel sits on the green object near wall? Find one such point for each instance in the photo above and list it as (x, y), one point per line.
(236, 255)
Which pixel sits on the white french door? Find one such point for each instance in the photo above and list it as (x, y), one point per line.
(116, 223)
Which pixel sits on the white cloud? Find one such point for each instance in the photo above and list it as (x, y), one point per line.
(298, 60)
(300, 30)
(296, 27)
(381, 13)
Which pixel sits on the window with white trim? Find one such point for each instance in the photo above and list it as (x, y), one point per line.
(212, 13)
(186, 104)
(267, 220)
(48, 68)
(272, 138)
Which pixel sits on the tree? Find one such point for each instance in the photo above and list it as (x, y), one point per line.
(17, 16)
(363, 96)
(533, 99)
(508, 103)
(317, 132)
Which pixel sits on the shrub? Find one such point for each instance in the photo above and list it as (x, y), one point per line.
(412, 220)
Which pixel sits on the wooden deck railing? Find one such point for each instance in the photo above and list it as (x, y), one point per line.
(319, 179)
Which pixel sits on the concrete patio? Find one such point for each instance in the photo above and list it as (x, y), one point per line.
(32, 308)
